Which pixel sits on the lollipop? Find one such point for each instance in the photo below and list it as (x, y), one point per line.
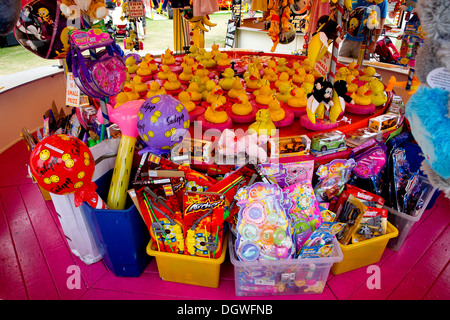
(62, 164)
(162, 123)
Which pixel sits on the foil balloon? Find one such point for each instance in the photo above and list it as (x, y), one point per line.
(43, 30)
(162, 123)
(63, 164)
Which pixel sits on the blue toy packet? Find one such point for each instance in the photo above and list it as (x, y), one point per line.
(320, 242)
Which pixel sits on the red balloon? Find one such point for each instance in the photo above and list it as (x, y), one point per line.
(62, 164)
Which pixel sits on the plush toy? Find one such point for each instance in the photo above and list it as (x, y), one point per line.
(9, 14)
(250, 145)
(428, 110)
(274, 29)
(95, 9)
(318, 99)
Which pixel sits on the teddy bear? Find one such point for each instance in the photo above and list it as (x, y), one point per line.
(95, 9)
(428, 109)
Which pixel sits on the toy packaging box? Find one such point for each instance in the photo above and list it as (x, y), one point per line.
(385, 122)
(284, 147)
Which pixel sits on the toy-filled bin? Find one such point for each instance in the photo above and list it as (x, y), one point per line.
(182, 268)
(404, 222)
(121, 235)
(364, 253)
(282, 277)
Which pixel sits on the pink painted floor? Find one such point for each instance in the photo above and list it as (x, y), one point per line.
(34, 257)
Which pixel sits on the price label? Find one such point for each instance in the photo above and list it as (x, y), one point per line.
(72, 92)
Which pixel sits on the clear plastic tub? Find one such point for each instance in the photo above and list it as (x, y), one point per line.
(282, 277)
(404, 222)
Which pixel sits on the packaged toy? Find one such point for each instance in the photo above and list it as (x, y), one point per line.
(161, 212)
(351, 214)
(263, 227)
(320, 242)
(370, 160)
(102, 73)
(332, 178)
(203, 224)
(373, 224)
(385, 122)
(304, 212)
(275, 173)
(359, 136)
(327, 143)
(299, 171)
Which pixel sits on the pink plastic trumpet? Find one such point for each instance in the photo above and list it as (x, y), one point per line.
(125, 116)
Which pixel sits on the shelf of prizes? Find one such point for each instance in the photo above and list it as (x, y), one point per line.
(230, 156)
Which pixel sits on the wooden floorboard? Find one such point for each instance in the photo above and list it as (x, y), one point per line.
(34, 257)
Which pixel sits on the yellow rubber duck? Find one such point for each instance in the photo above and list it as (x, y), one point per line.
(213, 113)
(251, 69)
(243, 107)
(131, 66)
(353, 68)
(368, 74)
(223, 61)
(121, 98)
(378, 96)
(308, 84)
(172, 83)
(185, 98)
(193, 51)
(209, 62)
(284, 92)
(131, 92)
(144, 69)
(236, 89)
(164, 72)
(282, 65)
(307, 66)
(139, 86)
(253, 82)
(295, 66)
(226, 83)
(263, 124)
(277, 113)
(258, 63)
(167, 57)
(299, 99)
(200, 54)
(187, 73)
(194, 90)
(342, 74)
(216, 94)
(215, 49)
(352, 86)
(155, 89)
(299, 76)
(263, 95)
(270, 74)
(362, 96)
(283, 78)
(208, 87)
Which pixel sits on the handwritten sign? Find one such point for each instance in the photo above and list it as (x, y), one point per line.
(72, 92)
(135, 9)
(231, 30)
(323, 65)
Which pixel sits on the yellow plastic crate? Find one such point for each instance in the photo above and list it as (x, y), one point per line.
(187, 269)
(364, 253)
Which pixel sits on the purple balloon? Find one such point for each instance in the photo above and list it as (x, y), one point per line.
(162, 123)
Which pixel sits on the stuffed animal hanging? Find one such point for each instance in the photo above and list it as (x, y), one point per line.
(95, 9)
(428, 110)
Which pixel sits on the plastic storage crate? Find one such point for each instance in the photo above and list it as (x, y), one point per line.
(282, 277)
(404, 222)
(181, 268)
(364, 253)
(121, 235)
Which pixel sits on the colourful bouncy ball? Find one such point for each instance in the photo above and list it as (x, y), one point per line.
(162, 123)
(62, 164)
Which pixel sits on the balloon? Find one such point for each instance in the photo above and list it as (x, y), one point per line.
(9, 13)
(43, 30)
(62, 164)
(162, 123)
